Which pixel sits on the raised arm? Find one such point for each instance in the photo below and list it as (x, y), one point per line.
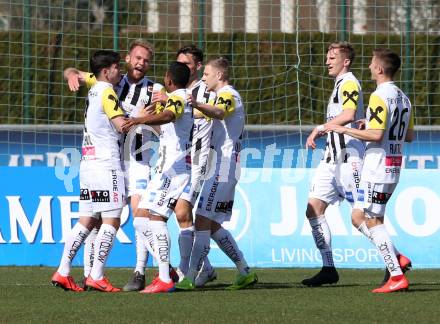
(75, 78)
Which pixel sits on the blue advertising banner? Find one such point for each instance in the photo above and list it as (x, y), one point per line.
(38, 209)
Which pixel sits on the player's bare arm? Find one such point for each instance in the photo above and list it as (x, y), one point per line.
(369, 135)
(75, 78)
(118, 121)
(208, 110)
(347, 116)
(164, 117)
(409, 137)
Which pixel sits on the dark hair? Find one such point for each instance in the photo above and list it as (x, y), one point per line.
(389, 61)
(103, 59)
(345, 48)
(179, 74)
(196, 52)
(222, 64)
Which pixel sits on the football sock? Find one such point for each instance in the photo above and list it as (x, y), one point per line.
(71, 246)
(89, 251)
(186, 239)
(140, 225)
(199, 251)
(161, 243)
(323, 239)
(385, 247)
(364, 230)
(227, 244)
(103, 245)
(206, 264)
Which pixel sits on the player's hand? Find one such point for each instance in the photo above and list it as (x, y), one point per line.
(148, 110)
(310, 142)
(191, 101)
(159, 96)
(129, 123)
(360, 123)
(73, 82)
(335, 128)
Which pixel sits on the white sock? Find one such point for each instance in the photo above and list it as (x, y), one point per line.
(227, 244)
(140, 225)
(73, 242)
(162, 245)
(199, 251)
(103, 245)
(323, 239)
(186, 240)
(385, 247)
(206, 265)
(364, 230)
(89, 251)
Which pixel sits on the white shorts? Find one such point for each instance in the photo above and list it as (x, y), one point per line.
(200, 152)
(373, 197)
(162, 192)
(335, 182)
(137, 177)
(217, 196)
(101, 190)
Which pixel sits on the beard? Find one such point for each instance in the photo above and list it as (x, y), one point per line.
(136, 73)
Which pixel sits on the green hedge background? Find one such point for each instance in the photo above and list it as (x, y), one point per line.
(281, 77)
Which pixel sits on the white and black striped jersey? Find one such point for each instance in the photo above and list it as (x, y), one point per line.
(347, 94)
(202, 130)
(132, 98)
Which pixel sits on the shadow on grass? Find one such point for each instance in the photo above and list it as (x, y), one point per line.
(276, 285)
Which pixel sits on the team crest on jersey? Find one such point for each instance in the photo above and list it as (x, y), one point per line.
(176, 104)
(222, 101)
(350, 96)
(375, 114)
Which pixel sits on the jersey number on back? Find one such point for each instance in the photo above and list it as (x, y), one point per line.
(398, 119)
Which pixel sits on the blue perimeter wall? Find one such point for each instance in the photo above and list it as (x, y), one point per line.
(37, 209)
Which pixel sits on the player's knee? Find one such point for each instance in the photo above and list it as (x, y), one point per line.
(315, 208)
(140, 212)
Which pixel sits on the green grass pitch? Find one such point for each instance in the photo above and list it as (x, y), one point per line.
(26, 295)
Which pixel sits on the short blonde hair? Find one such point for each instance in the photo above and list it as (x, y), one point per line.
(345, 48)
(222, 64)
(141, 43)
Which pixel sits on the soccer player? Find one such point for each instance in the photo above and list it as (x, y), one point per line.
(173, 169)
(217, 195)
(389, 125)
(337, 175)
(202, 131)
(102, 191)
(135, 91)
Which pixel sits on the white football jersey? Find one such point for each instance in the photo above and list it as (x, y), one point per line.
(227, 133)
(101, 141)
(347, 94)
(175, 137)
(389, 109)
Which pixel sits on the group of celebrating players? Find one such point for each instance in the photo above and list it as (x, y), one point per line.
(199, 124)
